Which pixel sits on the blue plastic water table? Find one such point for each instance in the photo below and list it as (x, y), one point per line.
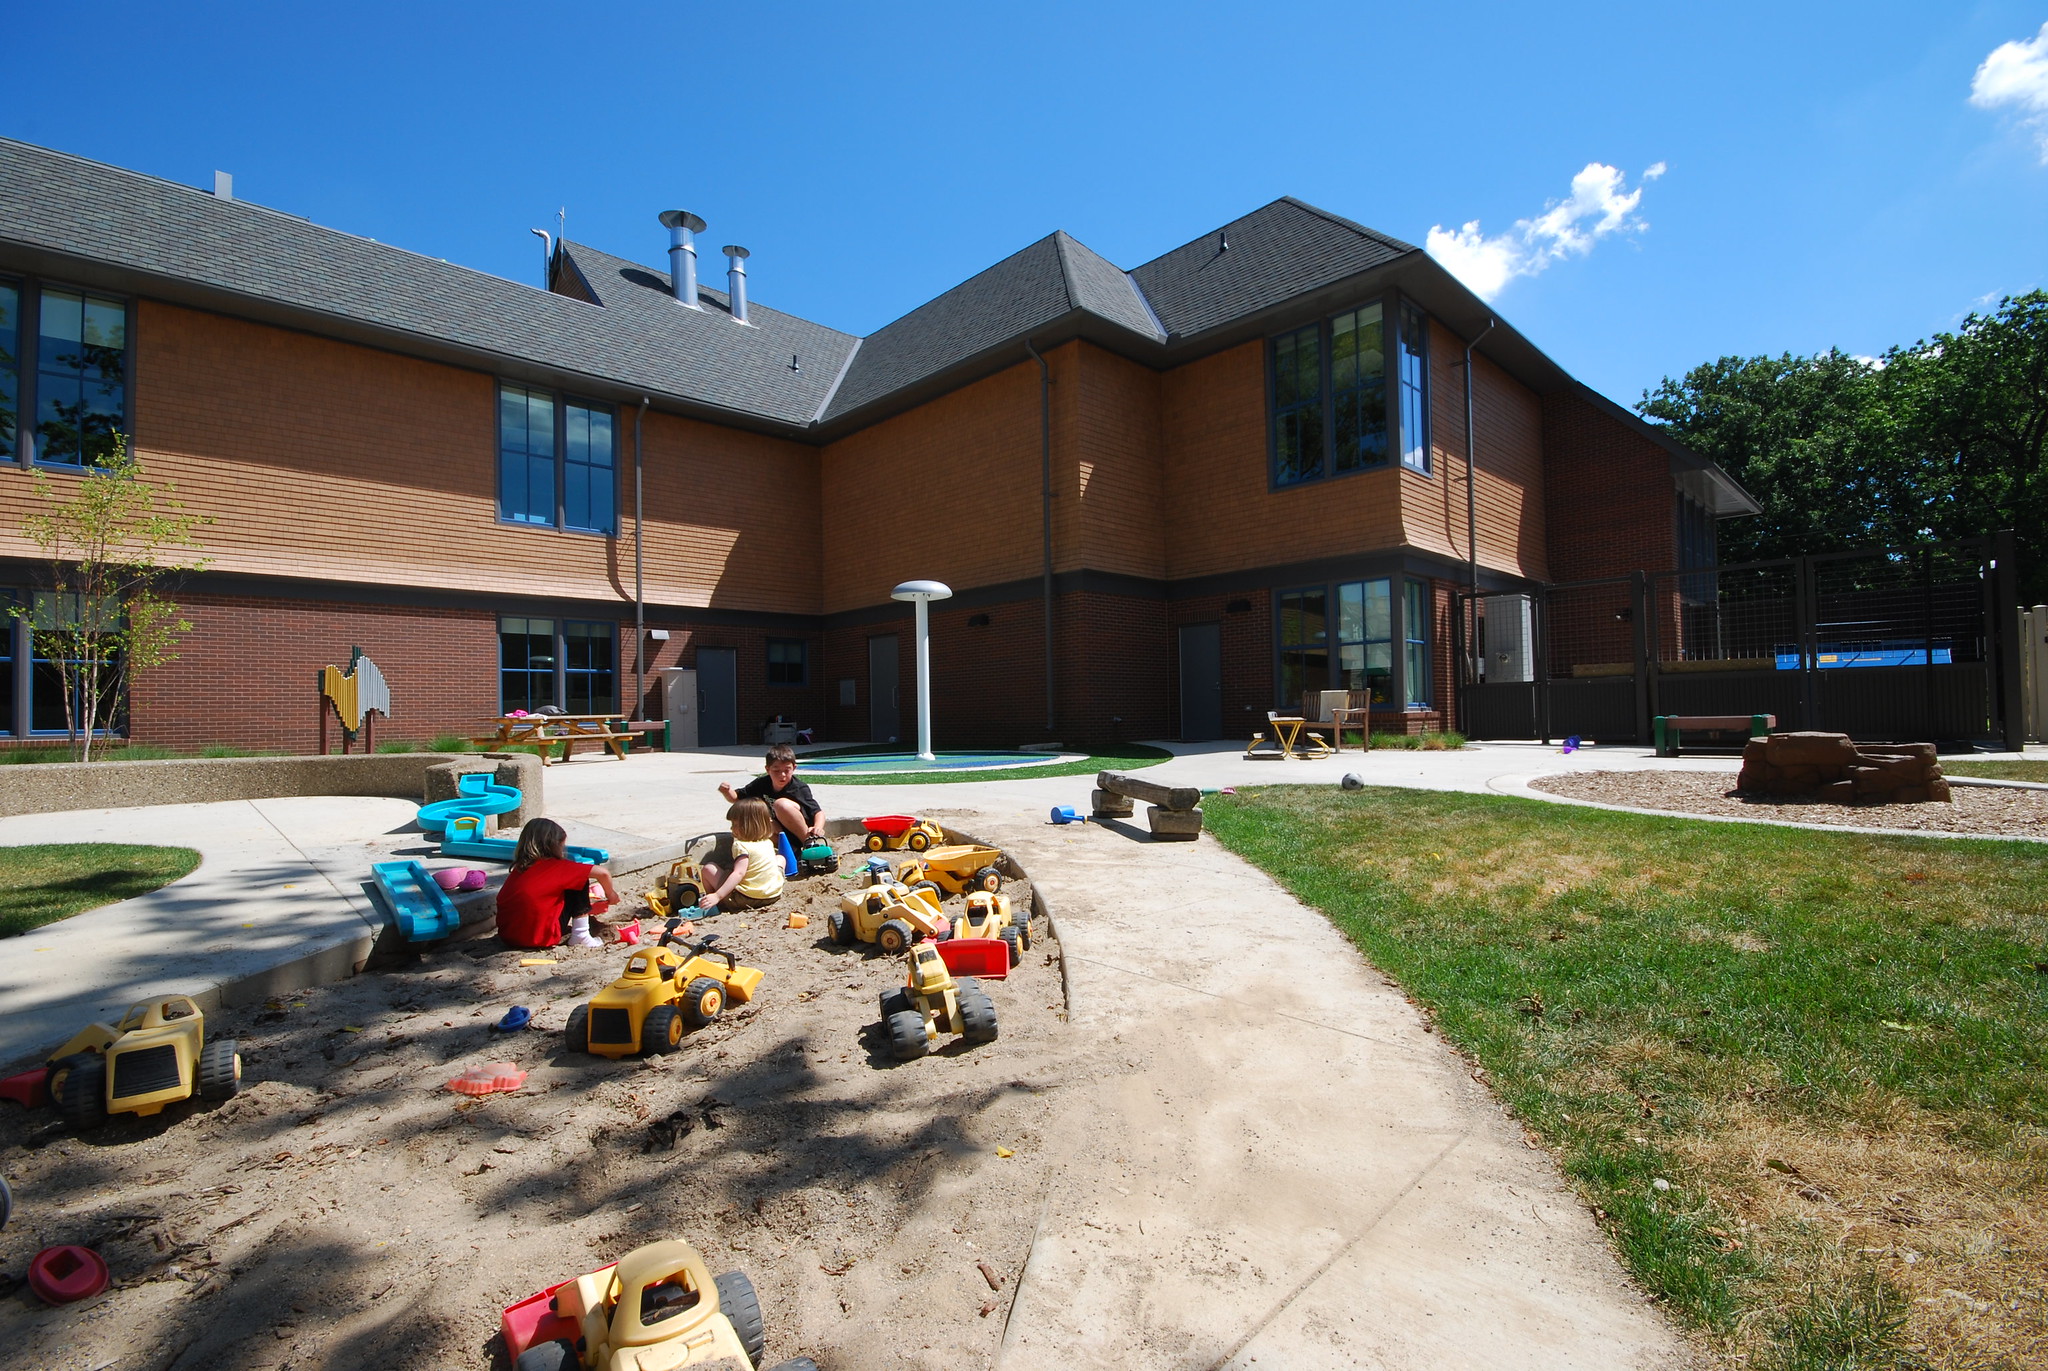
(421, 909)
(476, 792)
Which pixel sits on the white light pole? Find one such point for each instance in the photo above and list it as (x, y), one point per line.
(921, 594)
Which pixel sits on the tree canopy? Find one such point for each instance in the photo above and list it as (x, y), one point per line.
(1945, 438)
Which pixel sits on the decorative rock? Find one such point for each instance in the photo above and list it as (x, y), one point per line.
(1809, 749)
(1828, 766)
(1110, 805)
(1180, 824)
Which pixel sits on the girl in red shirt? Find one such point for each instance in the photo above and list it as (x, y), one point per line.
(547, 895)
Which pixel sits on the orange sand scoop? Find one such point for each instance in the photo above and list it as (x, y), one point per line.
(799, 921)
(493, 1076)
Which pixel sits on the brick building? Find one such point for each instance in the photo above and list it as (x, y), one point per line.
(1192, 489)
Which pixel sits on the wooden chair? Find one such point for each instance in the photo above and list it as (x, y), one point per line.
(1312, 712)
(1356, 713)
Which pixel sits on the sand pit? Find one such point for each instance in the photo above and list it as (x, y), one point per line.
(346, 1210)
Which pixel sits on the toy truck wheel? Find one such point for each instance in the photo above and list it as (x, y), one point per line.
(1023, 927)
(877, 843)
(80, 1090)
(988, 878)
(1011, 941)
(662, 1030)
(739, 1304)
(576, 1033)
(559, 1355)
(907, 1040)
(686, 898)
(918, 842)
(220, 1070)
(893, 936)
(703, 1001)
(977, 1014)
(933, 886)
(839, 926)
(895, 1002)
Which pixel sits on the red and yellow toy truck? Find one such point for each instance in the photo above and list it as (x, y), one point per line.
(892, 916)
(931, 1002)
(987, 914)
(657, 1308)
(886, 831)
(659, 994)
(156, 1055)
(956, 868)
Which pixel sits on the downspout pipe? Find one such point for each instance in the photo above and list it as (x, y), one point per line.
(1472, 465)
(639, 572)
(1045, 516)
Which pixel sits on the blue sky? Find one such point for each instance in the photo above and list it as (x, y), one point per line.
(1826, 178)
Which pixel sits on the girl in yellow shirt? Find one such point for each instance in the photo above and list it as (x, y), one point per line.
(756, 875)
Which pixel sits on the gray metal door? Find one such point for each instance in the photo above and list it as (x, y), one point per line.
(884, 722)
(1201, 682)
(718, 704)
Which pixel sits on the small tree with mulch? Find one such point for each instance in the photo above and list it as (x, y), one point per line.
(100, 621)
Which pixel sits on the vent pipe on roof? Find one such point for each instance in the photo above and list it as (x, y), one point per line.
(223, 185)
(736, 280)
(683, 228)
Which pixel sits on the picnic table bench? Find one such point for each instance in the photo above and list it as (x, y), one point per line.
(1666, 728)
(543, 731)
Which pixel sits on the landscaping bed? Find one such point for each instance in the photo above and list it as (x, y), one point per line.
(1827, 1047)
(348, 1210)
(1974, 809)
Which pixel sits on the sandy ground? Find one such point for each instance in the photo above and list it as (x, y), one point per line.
(1976, 809)
(348, 1211)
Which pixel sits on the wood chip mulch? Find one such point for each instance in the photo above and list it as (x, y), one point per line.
(1975, 809)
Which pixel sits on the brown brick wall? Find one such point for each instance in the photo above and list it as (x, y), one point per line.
(1118, 475)
(1510, 504)
(757, 700)
(1247, 644)
(1608, 492)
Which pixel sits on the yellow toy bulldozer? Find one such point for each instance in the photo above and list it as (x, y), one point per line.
(156, 1055)
(931, 1002)
(658, 995)
(677, 892)
(987, 915)
(657, 1307)
(891, 916)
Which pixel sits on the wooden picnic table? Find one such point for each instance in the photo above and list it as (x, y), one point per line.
(542, 731)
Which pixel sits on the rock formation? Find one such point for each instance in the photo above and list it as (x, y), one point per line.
(1827, 766)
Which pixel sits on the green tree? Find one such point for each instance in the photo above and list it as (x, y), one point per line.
(100, 619)
(1946, 438)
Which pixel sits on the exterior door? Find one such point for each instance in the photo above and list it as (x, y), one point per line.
(718, 705)
(885, 724)
(1201, 682)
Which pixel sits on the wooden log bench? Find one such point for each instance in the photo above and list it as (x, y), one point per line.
(1176, 811)
(1666, 728)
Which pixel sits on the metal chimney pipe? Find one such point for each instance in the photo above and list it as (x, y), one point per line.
(683, 228)
(736, 280)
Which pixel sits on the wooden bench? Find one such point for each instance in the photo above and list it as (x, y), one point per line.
(1666, 728)
(1176, 812)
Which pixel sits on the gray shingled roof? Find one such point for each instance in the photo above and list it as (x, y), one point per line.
(70, 205)
(1027, 290)
(1283, 250)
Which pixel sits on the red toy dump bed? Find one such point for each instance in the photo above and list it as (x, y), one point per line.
(985, 957)
(530, 1322)
(889, 825)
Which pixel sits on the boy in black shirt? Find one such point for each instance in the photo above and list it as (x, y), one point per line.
(796, 809)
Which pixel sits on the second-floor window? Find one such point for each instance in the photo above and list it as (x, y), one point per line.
(1414, 389)
(555, 461)
(1329, 396)
(10, 365)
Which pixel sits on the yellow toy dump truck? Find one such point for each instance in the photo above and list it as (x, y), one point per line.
(891, 916)
(658, 995)
(886, 831)
(931, 1002)
(988, 915)
(677, 892)
(657, 1309)
(956, 868)
(156, 1055)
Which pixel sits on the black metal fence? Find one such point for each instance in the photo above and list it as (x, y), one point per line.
(1893, 644)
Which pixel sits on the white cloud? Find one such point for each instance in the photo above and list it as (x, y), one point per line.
(2016, 75)
(1596, 208)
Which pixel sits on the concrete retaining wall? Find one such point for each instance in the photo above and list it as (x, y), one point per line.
(42, 787)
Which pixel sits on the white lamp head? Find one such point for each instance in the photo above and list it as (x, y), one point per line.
(922, 590)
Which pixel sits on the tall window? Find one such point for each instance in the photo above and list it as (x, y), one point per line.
(81, 377)
(10, 374)
(1365, 639)
(1414, 389)
(1304, 643)
(11, 630)
(1358, 389)
(1298, 406)
(46, 689)
(570, 663)
(1415, 636)
(788, 662)
(556, 462)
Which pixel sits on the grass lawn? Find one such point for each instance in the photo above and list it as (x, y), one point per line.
(1830, 1045)
(45, 882)
(2029, 770)
(1115, 757)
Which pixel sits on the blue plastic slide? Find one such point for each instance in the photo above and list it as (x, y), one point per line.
(501, 849)
(421, 909)
(476, 793)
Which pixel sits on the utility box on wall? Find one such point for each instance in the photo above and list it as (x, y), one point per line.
(679, 706)
(1510, 639)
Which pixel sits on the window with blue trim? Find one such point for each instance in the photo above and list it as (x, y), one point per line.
(10, 377)
(1365, 639)
(1329, 397)
(589, 681)
(789, 662)
(569, 663)
(1414, 389)
(526, 664)
(81, 377)
(48, 688)
(1415, 635)
(11, 631)
(1303, 620)
(1358, 389)
(557, 461)
(1298, 406)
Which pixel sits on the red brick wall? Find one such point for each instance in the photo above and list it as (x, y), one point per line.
(757, 700)
(1609, 501)
(1247, 646)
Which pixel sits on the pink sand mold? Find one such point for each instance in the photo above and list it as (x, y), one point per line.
(483, 1080)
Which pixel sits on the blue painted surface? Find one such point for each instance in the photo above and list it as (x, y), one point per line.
(421, 909)
(502, 850)
(1830, 659)
(476, 793)
(889, 763)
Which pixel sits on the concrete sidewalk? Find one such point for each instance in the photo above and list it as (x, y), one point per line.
(1269, 1160)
